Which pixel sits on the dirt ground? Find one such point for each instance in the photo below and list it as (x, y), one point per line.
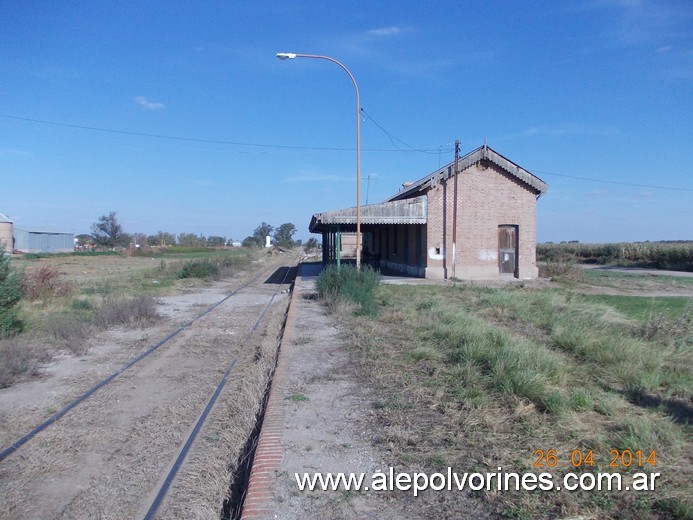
(329, 425)
(105, 457)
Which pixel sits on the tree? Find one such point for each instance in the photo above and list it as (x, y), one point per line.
(140, 240)
(284, 234)
(162, 239)
(251, 242)
(311, 244)
(216, 241)
(262, 231)
(108, 232)
(191, 240)
(10, 294)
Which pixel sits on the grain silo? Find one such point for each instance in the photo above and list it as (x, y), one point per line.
(6, 233)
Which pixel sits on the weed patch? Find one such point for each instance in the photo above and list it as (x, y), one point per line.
(70, 331)
(10, 295)
(482, 378)
(138, 310)
(199, 269)
(16, 360)
(43, 283)
(347, 283)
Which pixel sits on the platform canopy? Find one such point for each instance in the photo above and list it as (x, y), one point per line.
(408, 211)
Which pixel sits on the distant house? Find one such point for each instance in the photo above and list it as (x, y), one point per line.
(472, 220)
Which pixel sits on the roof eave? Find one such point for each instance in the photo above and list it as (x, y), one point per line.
(473, 157)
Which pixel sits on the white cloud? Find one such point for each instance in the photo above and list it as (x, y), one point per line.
(560, 130)
(385, 31)
(149, 105)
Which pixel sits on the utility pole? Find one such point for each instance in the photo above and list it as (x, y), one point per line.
(454, 209)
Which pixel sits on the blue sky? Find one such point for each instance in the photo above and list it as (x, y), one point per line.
(178, 115)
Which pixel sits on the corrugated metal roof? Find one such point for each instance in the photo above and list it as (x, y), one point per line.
(409, 211)
(37, 231)
(473, 157)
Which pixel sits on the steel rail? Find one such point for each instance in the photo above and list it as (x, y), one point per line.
(60, 413)
(161, 494)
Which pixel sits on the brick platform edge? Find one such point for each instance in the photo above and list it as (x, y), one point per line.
(258, 502)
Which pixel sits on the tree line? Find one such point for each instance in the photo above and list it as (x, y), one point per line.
(108, 232)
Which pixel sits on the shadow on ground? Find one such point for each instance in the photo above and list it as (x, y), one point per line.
(280, 275)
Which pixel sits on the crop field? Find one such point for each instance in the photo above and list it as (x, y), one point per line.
(660, 255)
(534, 379)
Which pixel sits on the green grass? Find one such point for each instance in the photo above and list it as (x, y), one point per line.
(642, 307)
(605, 274)
(335, 284)
(37, 256)
(199, 269)
(493, 374)
(187, 253)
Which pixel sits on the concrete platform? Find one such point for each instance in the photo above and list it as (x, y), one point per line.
(315, 420)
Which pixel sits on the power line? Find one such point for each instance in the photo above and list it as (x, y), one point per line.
(193, 139)
(170, 137)
(316, 148)
(614, 182)
(392, 139)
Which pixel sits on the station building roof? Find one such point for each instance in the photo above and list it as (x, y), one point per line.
(408, 211)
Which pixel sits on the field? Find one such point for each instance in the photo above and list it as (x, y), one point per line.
(536, 378)
(659, 255)
(67, 298)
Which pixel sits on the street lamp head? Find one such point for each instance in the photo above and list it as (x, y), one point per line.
(286, 55)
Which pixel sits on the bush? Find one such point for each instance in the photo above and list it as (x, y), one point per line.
(15, 361)
(347, 283)
(10, 295)
(70, 330)
(564, 269)
(125, 312)
(44, 283)
(199, 269)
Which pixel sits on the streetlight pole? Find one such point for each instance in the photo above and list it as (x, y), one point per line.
(291, 56)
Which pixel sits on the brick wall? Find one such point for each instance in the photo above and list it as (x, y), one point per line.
(488, 197)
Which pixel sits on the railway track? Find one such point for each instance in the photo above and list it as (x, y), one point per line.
(117, 450)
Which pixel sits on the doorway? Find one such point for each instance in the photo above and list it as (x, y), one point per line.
(508, 250)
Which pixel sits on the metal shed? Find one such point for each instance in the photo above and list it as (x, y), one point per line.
(39, 241)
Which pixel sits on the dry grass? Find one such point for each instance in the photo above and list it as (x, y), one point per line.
(130, 311)
(203, 484)
(17, 361)
(562, 270)
(44, 283)
(483, 378)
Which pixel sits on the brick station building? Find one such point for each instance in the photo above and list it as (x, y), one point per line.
(472, 219)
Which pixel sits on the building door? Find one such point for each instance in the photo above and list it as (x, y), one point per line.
(507, 250)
